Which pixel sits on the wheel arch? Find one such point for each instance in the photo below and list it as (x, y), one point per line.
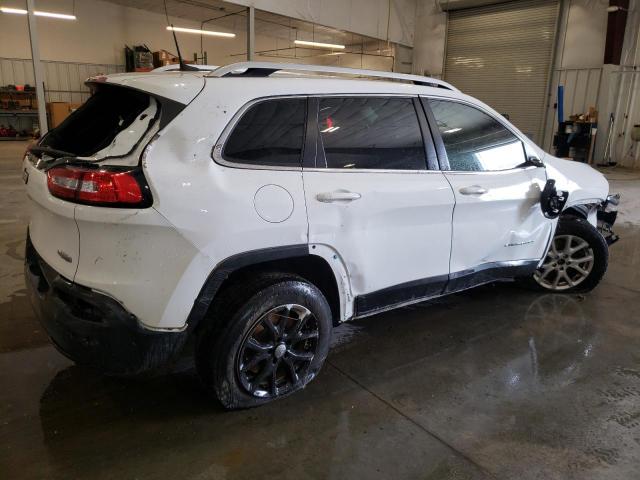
(587, 211)
(580, 211)
(294, 259)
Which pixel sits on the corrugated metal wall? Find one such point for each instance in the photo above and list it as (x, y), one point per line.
(581, 91)
(64, 81)
(501, 54)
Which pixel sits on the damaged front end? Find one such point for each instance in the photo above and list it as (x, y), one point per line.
(606, 215)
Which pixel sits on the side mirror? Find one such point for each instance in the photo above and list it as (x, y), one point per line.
(534, 161)
(552, 200)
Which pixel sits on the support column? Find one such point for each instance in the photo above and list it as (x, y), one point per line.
(251, 33)
(37, 67)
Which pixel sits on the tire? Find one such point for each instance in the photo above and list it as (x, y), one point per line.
(244, 339)
(573, 269)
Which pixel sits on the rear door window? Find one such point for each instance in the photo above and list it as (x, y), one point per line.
(370, 133)
(270, 133)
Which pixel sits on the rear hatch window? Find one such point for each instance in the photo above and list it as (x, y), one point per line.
(110, 124)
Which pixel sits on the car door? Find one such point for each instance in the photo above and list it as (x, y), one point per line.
(371, 197)
(499, 230)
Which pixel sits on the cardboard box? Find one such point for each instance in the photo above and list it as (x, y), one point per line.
(28, 102)
(162, 58)
(58, 111)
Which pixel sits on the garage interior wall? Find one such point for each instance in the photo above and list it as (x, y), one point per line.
(101, 42)
(588, 82)
(392, 20)
(579, 56)
(502, 54)
(64, 80)
(578, 64)
(621, 92)
(73, 50)
(429, 39)
(416, 30)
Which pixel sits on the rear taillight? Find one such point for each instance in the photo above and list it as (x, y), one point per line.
(98, 186)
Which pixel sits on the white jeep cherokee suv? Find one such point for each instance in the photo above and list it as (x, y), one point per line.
(254, 209)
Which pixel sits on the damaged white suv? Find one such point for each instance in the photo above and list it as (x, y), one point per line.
(255, 210)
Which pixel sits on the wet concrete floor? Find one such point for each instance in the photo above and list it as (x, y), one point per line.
(498, 382)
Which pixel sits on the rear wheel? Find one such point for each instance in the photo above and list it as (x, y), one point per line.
(268, 339)
(577, 258)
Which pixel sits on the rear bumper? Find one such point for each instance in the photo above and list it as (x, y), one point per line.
(91, 328)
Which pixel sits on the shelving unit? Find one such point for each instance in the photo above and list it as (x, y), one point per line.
(17, 111)
(574, 140)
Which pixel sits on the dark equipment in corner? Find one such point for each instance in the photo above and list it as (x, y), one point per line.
(138, 59)
(573, 140)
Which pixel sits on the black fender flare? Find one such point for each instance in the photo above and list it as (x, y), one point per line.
(225, 268)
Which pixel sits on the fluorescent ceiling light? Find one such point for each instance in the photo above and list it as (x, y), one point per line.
(453, 130)
(38, 13)
(62, 16)
(201, 32)
(329, 130)
(318, 44)
(13, 10)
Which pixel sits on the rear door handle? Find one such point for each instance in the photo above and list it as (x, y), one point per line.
(338, 196)
(473, 190)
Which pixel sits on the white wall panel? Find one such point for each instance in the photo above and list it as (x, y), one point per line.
(581, 91)
(64, 81)
(366, 17)
(102, 29)
(583, 34)
(429, 39)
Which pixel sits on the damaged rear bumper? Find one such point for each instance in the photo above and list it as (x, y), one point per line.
(91, 328)
(607, 215)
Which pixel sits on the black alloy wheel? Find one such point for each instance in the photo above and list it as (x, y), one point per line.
(276, 353)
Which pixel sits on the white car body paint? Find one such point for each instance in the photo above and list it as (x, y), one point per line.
(178, 86)
(155, 261)
(504, 224)
(398, 231)
(135, 256)
(52, 227)
(584, 184)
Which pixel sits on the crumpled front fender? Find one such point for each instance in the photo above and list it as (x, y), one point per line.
(584, 183)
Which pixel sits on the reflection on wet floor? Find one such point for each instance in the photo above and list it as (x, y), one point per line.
(494, 382)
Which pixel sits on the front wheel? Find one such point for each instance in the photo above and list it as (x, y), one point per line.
(577, 258)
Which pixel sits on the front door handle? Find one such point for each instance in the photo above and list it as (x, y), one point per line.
(473, 190)
(338, 196)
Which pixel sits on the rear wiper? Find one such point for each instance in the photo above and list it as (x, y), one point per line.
(52, 152)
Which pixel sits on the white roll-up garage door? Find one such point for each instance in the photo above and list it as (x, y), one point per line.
(501, 54)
